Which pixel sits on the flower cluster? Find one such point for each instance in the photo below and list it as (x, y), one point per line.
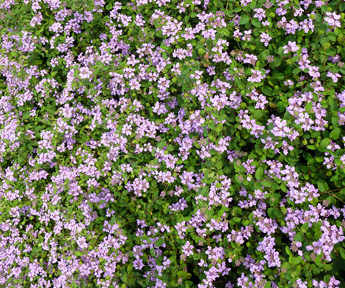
(150, 144)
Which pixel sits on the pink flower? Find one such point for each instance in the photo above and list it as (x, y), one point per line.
(334, 76)
(291, 47)
(256, 77)
(332, 19)
(265, 38)
(85, 73)
(260, 13)
(187, 249)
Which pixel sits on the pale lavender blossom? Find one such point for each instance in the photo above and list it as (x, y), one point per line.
(85, 73)
(256, 77)
(265, 38)
(334, 76)
(260, 13)
(332, 19)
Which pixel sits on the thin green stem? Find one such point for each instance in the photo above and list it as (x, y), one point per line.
(332, 190)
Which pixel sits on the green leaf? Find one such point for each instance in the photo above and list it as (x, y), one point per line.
(152, 252)
(37, 62)
(183, 274)
(185, 70)
(212, 125)
(244, 222)
(279, 76)
(221, 117)
(252, 4)
(305, 227)
(213, 152)
(161, 144)
(268, 284)
(287, 71)
(342, 252)
(239, 82)
(319, 159)
(201, 51)
(318, 262)
(112, 220)
(267, 90)
(296, 71)
(308, 106)
(256, 23)
(335, 133)
(275, 199)
(258, 114)
(298, 237)
(266, 183)
(276, 62)
(264, 54)
(227, 170)
(341, 39)
(205, 132)
(26, 115)
(244, 19)
(325, 142)
(226, 32)
(342, 8)
(275, 186)
(204, 191)
(236, 219)
(296, 260)
(170, 148)
(259, 173)
(159, 242)
(288, 251)
(274, 212)
(322, 185)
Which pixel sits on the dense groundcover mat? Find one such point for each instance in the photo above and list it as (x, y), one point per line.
(172, 143)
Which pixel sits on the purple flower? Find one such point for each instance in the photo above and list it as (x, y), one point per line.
(334, 76)
(291, 47)
(265, 38)
(260, 13)
(314, 71)
(332, 19)
(247, 34)
(256, 77)
(138, 264)
(187, 249)
(85, 73)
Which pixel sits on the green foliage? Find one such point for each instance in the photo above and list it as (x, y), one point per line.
(274, 171)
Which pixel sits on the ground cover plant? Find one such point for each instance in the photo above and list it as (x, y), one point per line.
(172, 143)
